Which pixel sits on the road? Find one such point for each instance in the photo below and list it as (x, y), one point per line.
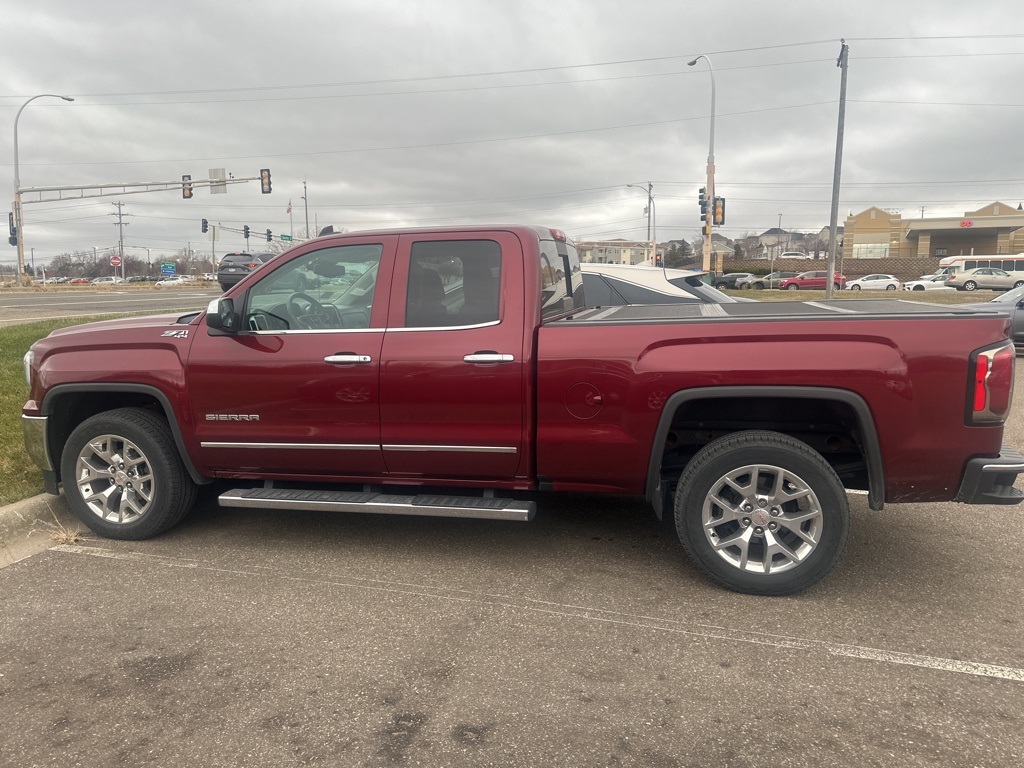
(21, 307)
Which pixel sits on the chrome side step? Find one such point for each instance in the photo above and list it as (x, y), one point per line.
(380, 503)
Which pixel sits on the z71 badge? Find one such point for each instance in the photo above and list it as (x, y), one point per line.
(176, 334)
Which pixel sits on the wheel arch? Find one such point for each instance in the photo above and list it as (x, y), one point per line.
(680, 405)
(68, 405)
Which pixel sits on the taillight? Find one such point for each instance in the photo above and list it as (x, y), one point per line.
(991, 384)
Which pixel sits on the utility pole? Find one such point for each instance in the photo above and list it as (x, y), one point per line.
(841, 62)
(305, 204)
(120, 224)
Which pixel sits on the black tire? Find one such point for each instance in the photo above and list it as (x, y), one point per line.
(820, 514)
(918, 287)
(970, 285)
(721, 286)
(759, 286)
(854, 287)
(143, 491)
(224, 286)
(890, 287)
(1018, 284)
(792, 287)
(837, 286)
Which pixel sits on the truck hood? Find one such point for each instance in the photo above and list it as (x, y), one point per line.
(127, 323)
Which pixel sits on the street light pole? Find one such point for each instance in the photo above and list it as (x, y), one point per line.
(18, 222)
(305, 205)
(710, 191)
(651, 236)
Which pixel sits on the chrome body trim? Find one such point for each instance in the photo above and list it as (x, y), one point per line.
(372, 330)
(453, 448)
(36, 446)
(294, 446)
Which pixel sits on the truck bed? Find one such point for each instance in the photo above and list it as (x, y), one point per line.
(772, 310)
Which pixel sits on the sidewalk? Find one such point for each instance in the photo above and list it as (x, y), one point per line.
(33, 525)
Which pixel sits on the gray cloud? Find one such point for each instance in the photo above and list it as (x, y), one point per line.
(402, 113)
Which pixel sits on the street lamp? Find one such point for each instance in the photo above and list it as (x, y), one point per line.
(711, 165)
(18, 222)
(651, 221)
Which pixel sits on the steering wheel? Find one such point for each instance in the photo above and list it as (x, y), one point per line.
(315, 315)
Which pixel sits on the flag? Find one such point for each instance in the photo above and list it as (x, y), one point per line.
(289, 208)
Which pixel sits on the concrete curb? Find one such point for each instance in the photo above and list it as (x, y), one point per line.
(31, 525)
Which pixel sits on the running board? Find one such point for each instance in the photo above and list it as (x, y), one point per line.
(380, 503)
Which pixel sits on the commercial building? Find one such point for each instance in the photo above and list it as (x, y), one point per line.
(875, 233)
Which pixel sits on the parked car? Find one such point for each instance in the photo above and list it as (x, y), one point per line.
(234, 266)
(108, 280)
(928, 283)
(614, 285)
(988, 278)
(79, 281)
(729, 279)
(812, 281)
(759, 282)
(1012, 300)
(874, 283)
(140, 279)
(175, 280)
(794, 255)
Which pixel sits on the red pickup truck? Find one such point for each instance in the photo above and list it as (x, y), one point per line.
(454, 371)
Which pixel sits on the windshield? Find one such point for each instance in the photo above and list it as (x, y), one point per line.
(1010, 297)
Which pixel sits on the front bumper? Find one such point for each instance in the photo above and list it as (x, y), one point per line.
(990, 481)
(38, 449)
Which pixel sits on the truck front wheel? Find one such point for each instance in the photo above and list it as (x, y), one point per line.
(762, 513)
(123, 477)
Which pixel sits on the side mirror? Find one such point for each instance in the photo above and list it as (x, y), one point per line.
(221, 315)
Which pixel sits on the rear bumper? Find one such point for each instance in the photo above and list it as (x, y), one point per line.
(990, 481)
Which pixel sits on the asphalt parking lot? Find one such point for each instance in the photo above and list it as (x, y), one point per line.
(583, 638)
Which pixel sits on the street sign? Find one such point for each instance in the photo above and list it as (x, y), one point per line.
(115, 261)
(167, 268)
(286, 238)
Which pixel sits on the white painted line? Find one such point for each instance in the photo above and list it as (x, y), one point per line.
(585, 613)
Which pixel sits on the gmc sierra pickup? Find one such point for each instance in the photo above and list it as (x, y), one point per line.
(446, 371)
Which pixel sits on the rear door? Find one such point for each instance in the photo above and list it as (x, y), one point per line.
(453, 376)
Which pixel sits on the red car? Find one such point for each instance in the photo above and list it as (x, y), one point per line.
(79, 281)
(812, 281)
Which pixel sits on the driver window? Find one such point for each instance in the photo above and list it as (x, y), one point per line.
(329, 289)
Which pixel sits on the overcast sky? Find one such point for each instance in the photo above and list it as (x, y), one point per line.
(434, 112)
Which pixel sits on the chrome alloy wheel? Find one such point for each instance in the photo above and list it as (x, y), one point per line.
(115, 479)
(762, 519)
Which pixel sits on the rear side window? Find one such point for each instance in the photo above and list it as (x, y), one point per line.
(561, 278)
(453, 282)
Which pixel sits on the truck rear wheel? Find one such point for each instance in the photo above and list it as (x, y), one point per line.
(762, 513)
(123, 477)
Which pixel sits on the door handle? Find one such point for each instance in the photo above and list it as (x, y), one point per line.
(489, 357)
(348, 358)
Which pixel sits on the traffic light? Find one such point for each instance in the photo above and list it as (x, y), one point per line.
(245, 231)
(13, 239)
(265, 181)
(269, 236)
(703, 197)
(706, 228)
(206, 226)
(719, 211)
(186, 187)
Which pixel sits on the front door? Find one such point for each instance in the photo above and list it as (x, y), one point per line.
(296, 391)
(453, 378)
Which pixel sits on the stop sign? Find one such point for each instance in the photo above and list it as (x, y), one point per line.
(115, 261)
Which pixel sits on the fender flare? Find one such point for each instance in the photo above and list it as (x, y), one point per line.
(60, 389)
(872, 449)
